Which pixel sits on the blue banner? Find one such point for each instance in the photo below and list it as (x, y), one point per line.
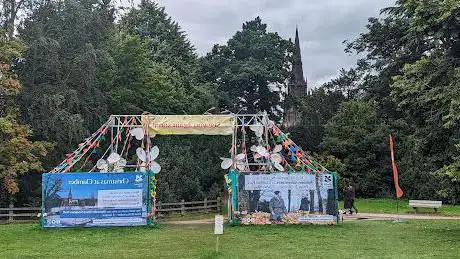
(95, 199)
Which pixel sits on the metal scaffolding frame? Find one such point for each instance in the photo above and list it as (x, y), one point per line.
(117, 124)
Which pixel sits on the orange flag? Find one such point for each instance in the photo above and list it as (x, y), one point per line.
(399, 191)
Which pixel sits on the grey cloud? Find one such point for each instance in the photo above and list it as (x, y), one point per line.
(323, 25)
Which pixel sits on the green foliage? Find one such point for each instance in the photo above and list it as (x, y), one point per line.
(165, 40)
(191, 166)
(359, 138)
(250, 70)
(409, 70)
(172, 56)
(140, 84)
(317, 108)
(63, 99)
(155, 70)
(425, 91)
(18, 155)
(429, 89)
(354, 239)
(80, 65)
(347, 83)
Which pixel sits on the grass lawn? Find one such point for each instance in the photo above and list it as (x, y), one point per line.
(360, 239)
(187, 216)
(364, 206)
(389, 206)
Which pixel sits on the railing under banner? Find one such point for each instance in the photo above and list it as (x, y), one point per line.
(32, 214)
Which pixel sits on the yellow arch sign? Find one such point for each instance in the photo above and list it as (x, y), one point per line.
(189, 124)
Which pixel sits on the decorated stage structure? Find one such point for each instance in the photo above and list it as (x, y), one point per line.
(110, 179)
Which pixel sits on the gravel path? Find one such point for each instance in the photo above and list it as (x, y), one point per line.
(381, 216)
(360, 216)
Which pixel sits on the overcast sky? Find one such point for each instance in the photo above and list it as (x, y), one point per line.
(323, 25)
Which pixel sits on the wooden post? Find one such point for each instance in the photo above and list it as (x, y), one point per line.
(218, 204)
(10, 213)
(182, 206)
(158, 209)
(206, 205)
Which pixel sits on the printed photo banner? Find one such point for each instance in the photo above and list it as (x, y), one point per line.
(282, 198)
(189, 124)
(95, 199)
(284, 181)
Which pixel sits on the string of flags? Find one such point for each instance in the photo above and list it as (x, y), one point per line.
(275, 153)
(257, 146)
(114, 155)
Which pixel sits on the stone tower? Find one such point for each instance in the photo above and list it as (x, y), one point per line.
(297, 88)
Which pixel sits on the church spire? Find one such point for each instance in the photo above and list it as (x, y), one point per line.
(297, 87)
(297, 62)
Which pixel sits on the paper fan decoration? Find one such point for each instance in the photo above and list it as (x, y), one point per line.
(113, 158)
(279, 167)
(277, 148)
(155, 167)
(276, 158)
(149, 157)
(261, 151)
(154, 152)
(138, 133)
(258, 129)
(241, 157)
(141, 154)
(102, 164)
(226, 163)
(270, 124)
(121, 162)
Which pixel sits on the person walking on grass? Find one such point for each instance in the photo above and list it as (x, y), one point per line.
(349, 198)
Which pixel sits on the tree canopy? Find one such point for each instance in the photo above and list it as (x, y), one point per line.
(410, 73)
(65, 66)
(18, 155)
(250, 70)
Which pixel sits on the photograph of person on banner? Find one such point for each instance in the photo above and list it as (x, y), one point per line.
(277, 207)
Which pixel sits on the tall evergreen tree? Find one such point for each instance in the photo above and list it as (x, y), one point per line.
(250, 70)
(410, 70)
(140, 84)
(169, 48)
(63, 97)
(358, 137)
(316, 108)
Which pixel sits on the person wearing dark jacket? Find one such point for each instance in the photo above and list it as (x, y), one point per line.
(349, 199)
(277, 207)
(305, 204)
